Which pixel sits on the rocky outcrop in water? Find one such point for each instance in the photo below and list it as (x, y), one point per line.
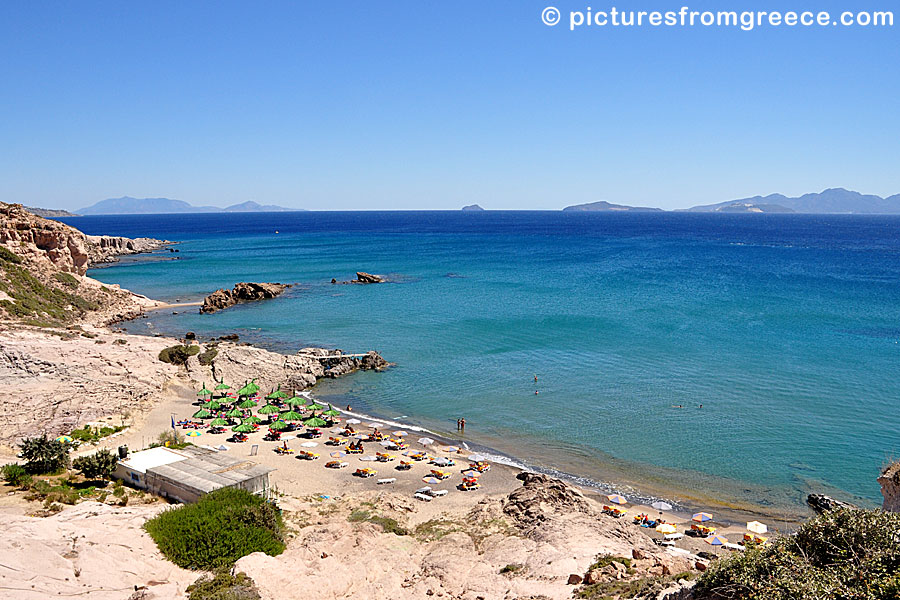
(242, 292)
(890, 487)
(108, 248)
(362, 277)
(822, 503)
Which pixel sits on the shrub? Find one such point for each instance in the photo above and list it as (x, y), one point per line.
(222, 585)
(387, 524)
(845, 553)
(206, 358)
(15, 474)
(44, 455)
(178, 355)
(94, 434)
(66, 279)
(99, 465)
(220, 528)
(9, 256)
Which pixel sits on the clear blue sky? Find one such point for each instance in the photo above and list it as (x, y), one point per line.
(425, 104)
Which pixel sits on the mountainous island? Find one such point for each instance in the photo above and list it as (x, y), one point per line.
(472, 208)
(49, 213)
(127, 205)
(831, 201)
(606, 206)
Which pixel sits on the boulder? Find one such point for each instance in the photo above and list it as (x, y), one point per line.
(822, 503)
(242, 292)
(890, 487)
(574, 579)
(362, 277)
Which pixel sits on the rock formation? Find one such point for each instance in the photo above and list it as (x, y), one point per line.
(890, 487)
(822, 503)
(362, 277)
(36, 239)
(242, 292)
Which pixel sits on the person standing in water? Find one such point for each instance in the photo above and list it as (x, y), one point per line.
(462, 425)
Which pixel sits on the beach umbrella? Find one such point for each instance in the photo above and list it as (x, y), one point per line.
(212, 405)
(666, 528)
(194, 433)
(291, 416)
(315, 406)
(472, 474)
(661, 506)
(243, 428)
(66, 439)
(248, 390)
(269, 409)
(223, 386)
(202, 414)
(204, 391)
(442, 461)
(757, 527)
(477, 458)
(717, 540)
(702, 517)
(248, 403)
(617, 499)
(309, 444)
(252, 419)
(400, 433)
(431, 480)
(337, 454)
(278, 426)
(450, 449)
(314, 421)
(368, 458)
(331, 412)
(277, 394)
(220, 422)
(296, 401)
(353, 421)
(234, 412)
(425, 441)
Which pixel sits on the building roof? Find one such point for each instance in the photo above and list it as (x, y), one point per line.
(204, 471)
(154, 457)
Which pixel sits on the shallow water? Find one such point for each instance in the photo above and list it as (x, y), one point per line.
(784, 327)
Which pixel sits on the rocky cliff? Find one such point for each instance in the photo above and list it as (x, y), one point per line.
(890, 487)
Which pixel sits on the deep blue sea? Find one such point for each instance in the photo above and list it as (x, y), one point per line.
(786, 328)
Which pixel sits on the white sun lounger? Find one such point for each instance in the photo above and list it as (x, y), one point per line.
(422, 497)
(387, 480)
(438, 493)
(423, 490)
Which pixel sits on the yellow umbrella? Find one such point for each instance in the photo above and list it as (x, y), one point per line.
(716, 540)
(666, 528)
(617, 499)
(702, 517)
(757, 527)
(64, 438)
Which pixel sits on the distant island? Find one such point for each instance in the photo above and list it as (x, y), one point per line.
(127, 205)
(606, 206)
(49, 213)
(831, 201)
(472, 208)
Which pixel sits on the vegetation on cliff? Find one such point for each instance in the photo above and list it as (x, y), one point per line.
(845, 553)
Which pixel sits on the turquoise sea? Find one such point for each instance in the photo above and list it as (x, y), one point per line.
(785, 328)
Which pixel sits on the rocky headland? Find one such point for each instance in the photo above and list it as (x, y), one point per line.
(242, 292)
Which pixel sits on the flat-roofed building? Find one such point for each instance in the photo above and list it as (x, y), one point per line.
(186, 474)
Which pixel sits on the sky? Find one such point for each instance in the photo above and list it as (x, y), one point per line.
(411, 104)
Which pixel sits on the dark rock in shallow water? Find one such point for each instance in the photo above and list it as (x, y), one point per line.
(231, 337)
(368, 278)
(242, 292)
(822, 503)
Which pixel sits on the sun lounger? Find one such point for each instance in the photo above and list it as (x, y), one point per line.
(422, 497)
(423, 490)
(674, 536)
(386, 480)
(365, 473)
(438, 493)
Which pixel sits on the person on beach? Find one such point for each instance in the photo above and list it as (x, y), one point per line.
(462, 425)
(458, 424)
(349, 409)
(535, 378)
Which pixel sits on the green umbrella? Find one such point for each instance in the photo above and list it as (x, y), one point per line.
(269, 409)
(220, 422)
(314, 422)
(248, 403)
(204, 391)
(248, 390)
(295, 401)
(235, 412)
(315, 406)
(254, 388)
(291, 416)
(212, 405)
(278, 425)
(277, 394)
(222, 386)
(202, 414)
(253, 419)
(243, 428)
(331, 412)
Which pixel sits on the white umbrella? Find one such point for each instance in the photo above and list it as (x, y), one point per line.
(368, 458)
(450, 449)
(757, 527)
(400, 433)
(661, 506)
(373, 425)
(353, 421)
(477, 458)
(425, 441)
(442, 462)
(387, 443)
(309, 444)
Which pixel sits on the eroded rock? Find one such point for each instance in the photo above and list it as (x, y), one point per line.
(242, 292)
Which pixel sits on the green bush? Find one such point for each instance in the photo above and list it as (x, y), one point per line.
(9, 256)
(847, 553)
(15, 474)
(94, 434)
(222, 585)
(387, 524)
(206, 358)
(178, 355)
(43, 455)
(99, 465)
(66, 279)
(220, 528)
